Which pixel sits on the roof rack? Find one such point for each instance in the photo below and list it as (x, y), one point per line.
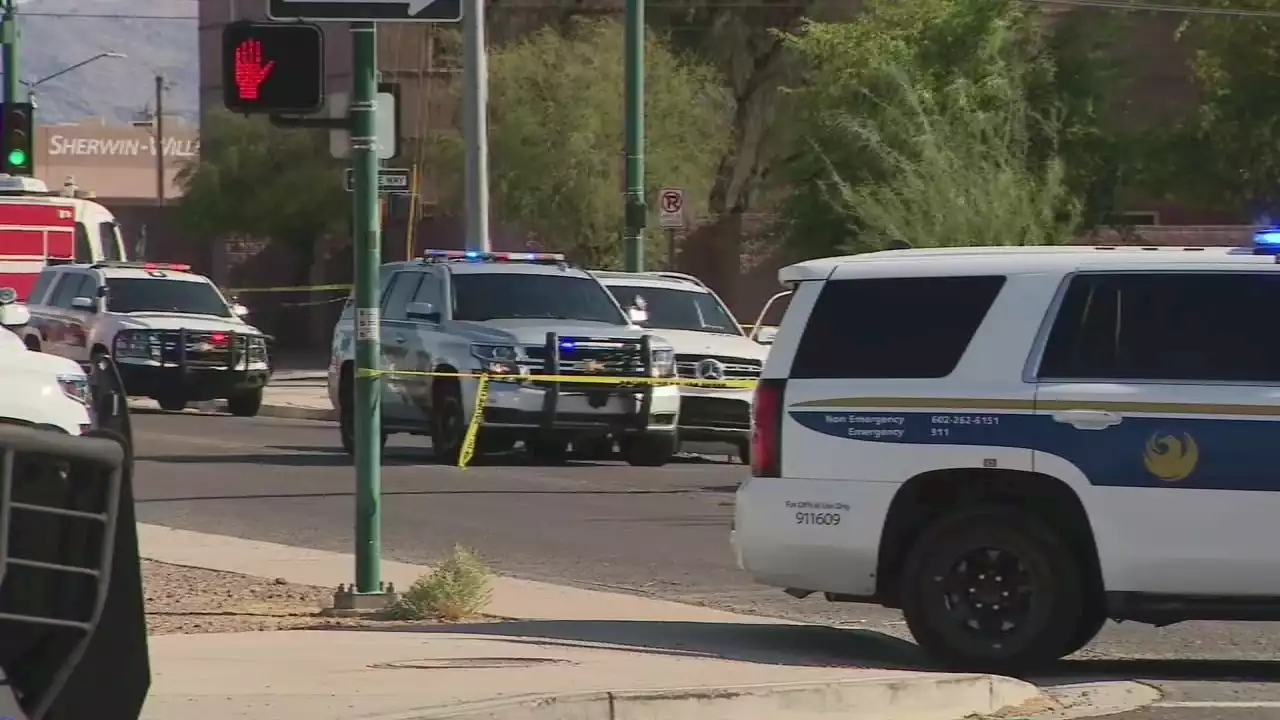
(479, 256)
(130, 265)
(686, 277)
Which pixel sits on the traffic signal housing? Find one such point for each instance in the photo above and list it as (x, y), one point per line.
(270, 67)
(18, 137)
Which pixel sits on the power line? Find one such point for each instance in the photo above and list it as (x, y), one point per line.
(1157, 7)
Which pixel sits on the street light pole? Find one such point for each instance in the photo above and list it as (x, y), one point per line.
(159, 138)
(636, 212)
(475, 70)
(9, 35)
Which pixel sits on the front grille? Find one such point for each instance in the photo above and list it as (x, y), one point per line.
(714, 412)
(201, 351)
(595, 356)
(734, 368)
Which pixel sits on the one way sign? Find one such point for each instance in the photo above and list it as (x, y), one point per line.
(437, 11)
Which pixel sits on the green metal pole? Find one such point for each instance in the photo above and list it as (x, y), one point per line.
(368, 246)
(636, 211)
(9, 35)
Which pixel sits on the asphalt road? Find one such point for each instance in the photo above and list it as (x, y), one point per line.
(604, 525)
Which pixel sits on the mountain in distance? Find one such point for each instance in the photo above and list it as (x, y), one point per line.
(158, 37)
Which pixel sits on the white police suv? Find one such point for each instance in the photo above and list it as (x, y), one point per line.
(37, 389)
(1014, 444)
(511, 314)
(709, 345)
(171, 333)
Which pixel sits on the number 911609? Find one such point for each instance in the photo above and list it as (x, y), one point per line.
(828, 519)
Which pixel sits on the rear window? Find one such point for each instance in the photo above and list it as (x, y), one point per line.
(893, 327)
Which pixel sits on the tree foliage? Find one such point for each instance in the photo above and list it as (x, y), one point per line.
(256, 180)
(1225, 155)
(941, 122)
(556, 136)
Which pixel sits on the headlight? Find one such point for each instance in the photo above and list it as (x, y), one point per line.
(257, 349)
(133, 345)
(76, 387)
(664, 363)
(496, 359)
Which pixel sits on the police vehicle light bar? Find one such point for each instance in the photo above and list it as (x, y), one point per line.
(21, 184)
(479, 256)
(124, 264)
(1266, 241)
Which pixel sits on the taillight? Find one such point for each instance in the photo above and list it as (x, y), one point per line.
(766, 428)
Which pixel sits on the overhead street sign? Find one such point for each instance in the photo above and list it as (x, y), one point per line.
(437, 11)
(391, 181)
(671, 207)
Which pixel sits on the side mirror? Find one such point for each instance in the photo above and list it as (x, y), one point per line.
(765, 335)
(422, 311)
(84, 303)
(239, 310)
(14, 315)
(637, 316)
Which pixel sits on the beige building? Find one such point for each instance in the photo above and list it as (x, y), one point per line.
(115, 161)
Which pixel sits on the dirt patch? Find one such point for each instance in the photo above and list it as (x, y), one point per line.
(186, 600)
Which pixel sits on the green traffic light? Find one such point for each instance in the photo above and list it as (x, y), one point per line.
(17, 158)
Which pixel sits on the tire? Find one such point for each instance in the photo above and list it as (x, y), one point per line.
(1087, 629)
(172, 402)
(653, 450)
(547, 451)
(957, 549)
(246, 403)
(346, 417)
(448, 423)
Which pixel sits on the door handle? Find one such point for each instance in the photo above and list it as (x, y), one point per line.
(1087, 419)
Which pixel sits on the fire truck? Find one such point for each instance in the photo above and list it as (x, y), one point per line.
(39, 227)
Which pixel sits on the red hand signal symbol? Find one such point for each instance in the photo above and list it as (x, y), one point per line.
(250, 72)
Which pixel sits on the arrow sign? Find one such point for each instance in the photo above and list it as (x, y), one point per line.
(439, 11)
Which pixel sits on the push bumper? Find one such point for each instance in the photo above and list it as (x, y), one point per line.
(195, 365)
(708, 415)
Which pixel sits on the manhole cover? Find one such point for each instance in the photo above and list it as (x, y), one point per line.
(467, 663)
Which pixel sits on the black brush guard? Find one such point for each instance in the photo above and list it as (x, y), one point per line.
(72, 625)
(237, 350)
(639, 365)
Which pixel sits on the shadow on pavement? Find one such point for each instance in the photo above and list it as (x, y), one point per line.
(793, 645)
(818, 646)
(283, 459)
(301, 496)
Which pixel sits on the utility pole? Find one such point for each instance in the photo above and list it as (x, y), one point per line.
(475, 68)
(633, 243)
(368, 250)
(9, 36)
(158, 127)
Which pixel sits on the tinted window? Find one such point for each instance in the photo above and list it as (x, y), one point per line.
(403, 286)
(72, 285)
(488, 296)
(84, 250)
(108, 236)
(131, 295)
(42, 285)
(429, 291)
(1165, 326)
(676, 309)
(893, 327)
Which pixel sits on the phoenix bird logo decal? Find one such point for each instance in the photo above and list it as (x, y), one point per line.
(1171, 458)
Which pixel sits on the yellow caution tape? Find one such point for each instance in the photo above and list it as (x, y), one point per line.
(482, 391)
(291, 288)
(473, 429)
(578, 379)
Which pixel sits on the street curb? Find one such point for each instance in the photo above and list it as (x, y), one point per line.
(923, 697)
(292, 412)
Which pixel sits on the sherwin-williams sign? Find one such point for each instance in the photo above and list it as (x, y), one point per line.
(94, 144)
(117, 147)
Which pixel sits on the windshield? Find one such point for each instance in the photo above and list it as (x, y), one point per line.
(673, 309)
(131, 295)
(488, 296)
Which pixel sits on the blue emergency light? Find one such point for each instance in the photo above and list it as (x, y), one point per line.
(1267, 241)
(480, 256)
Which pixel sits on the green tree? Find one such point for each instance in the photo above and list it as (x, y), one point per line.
(1225, 155)
(556, 136)
(256, 180)
(942, 107)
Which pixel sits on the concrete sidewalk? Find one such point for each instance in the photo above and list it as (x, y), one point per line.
(297, 395)
(558, 652)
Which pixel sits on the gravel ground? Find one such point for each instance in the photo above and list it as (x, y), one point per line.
(186, 600)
